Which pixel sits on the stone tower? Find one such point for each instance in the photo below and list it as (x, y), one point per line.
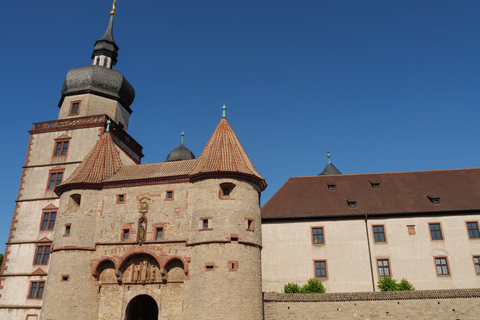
(90, 96)
(111, 238)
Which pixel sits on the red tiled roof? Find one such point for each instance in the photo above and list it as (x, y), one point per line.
(101, 163)
(153, 170)
(401, 192)
(224, 153)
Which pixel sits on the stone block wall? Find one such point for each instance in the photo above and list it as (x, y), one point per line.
(422, 304)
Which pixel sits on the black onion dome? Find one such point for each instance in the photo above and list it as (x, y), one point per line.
(180, 153)
(330, 169)
(101, 81)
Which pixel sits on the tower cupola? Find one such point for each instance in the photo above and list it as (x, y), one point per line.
(330, 169)
(180, 153)
(105, 52)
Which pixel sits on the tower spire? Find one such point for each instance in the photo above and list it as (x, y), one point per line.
(105, 52)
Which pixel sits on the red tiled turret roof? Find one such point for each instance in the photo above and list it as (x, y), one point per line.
(102, 162)
(224, 154)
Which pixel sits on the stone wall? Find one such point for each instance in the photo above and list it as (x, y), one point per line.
(428, 304)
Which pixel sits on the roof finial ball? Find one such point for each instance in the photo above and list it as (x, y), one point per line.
(112, 13)
(183, 134)
(328, 155)
(224, 108)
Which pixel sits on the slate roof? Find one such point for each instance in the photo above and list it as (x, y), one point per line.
(180, 153)
(224, 153)
(330, 169)
(401, 192)
(100, 164)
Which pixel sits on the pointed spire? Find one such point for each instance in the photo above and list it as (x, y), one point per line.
(224, 156)
(102, 162)
(105, 52)
(330, 169)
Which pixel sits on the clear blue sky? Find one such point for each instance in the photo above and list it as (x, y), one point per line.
(385, 85)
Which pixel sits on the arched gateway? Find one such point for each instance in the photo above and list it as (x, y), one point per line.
(142, 307)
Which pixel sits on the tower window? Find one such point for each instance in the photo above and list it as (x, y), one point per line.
(48, 220)
(65, 277)
(121, 198)
(250, 224)
(205, 223)
(125, 234)
(55, 178)
(210, 266)
(226, 189)
(67, 230)
(74, 108)
(169, 195)
(232, 265)
(42, 255)
(61, 148)
(159, 233)
(36, 290)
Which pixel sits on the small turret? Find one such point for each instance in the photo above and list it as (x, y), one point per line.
(180, 153)
(330, 169)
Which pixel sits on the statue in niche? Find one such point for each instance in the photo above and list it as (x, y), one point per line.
(152, 272)
(144, 271)
(136, 273)
(142, 230)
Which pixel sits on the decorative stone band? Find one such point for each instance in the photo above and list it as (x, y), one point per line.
(370, 296)
(88, 122)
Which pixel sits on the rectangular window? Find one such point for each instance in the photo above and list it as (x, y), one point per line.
(435, 231)
(383, 267)
(472, 228)
(250, 225)
(169, 195)
(379, 233)
(159, 235)
(321, 269)
(42, 255)
(67, 230)
(121, 198)
(205, 223)
(74, 108)
(442, 266)
(317, 235)
(476, 261)
(36, 290)
(126, 234)
(61, 148)
(55, 179)
(48, 221)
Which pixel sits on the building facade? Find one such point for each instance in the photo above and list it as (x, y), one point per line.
(349, 231)
(97, 235)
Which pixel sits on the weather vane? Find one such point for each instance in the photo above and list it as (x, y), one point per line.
(113, 8)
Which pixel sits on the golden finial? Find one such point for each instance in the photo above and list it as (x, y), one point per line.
(113, 8)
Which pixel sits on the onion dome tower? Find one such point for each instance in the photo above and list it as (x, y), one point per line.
(99, 88)
(330, 169)
(180, 153)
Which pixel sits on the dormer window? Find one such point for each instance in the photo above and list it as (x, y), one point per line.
(434, 200)
(375, 186)
(352, 204)
(331, 187)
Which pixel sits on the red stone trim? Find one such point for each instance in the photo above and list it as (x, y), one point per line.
(78, 110)
(384, 233)
(474, 266)
(232, 265)
(61, 139)
(55, 170)
(124, 198)
(30, 288)
(72, 248)
(389, 267)
(166, 195)
(448, 266)
(35, 254)
(156, 226)
(252, 224)
(441, 231)
(323, 233)
(210, 264)
(50, 208)
(233, 235)
(326, 269)
(466, 228)
(31, 315)
(372, 296)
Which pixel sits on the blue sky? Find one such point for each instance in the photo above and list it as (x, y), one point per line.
(385, 85)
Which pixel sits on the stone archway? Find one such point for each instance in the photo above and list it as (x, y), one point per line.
(142, 307)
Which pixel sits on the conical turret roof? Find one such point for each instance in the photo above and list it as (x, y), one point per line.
(224, 154)
(100, 164)
(330, 169)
